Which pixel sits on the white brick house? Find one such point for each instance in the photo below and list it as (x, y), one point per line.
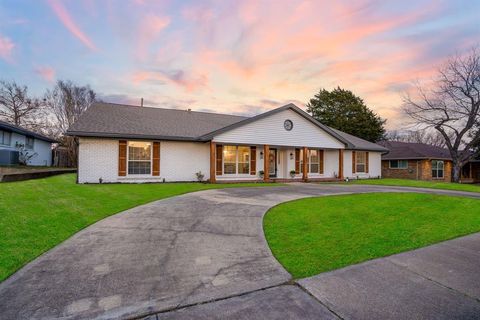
(119, 143)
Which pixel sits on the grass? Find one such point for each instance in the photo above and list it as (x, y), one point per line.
(36, 215)
(420, 184)
(315, 235)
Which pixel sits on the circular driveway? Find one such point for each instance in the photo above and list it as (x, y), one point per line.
(175, 252)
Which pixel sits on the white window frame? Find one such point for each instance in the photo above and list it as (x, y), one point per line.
(361, 163)
(3, 134)
(398, 164)
(309, 159)
(436, 169)
(237, 174)
(140, 175)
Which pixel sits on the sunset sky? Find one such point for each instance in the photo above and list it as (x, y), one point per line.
(240, 57)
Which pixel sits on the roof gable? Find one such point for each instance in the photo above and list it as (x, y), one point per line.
(270, 130)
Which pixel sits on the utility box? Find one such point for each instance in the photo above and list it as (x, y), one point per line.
(8, 157)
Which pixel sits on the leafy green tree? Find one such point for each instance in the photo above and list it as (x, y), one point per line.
(342, 110)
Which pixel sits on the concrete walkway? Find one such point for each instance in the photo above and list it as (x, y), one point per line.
(201, 247)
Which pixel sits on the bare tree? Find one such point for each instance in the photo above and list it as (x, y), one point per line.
(433, 138)
(17, 108)
(452, 107)
(67, 102)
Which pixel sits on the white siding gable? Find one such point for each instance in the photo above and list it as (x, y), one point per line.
(270, 130)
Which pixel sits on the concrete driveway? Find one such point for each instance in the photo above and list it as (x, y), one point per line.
(171, 254)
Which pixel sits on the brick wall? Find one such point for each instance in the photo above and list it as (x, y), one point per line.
(409, 173)
(417, 169)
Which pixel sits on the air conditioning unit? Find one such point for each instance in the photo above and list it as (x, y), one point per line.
(8, 157)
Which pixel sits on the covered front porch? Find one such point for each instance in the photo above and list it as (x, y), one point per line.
(270, 163)
(471, 172)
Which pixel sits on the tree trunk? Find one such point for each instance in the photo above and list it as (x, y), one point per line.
(456, 171)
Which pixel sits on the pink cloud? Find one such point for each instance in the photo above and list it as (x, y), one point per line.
(70, 24)
(47, 73)
(150, 27)
(6, 48)
(179, 78)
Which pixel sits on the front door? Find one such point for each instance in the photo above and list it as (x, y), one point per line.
(272, 163)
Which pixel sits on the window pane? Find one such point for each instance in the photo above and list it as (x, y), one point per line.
(139, 167)
(243, 168)
(229, 159)
(314, 156)
(138, 150)
(361, 155)
(243, 160)
(139, 156)
(403, 164)
(360, 167)
(314, 168)
(440, 174)
(394, 164)
(29, 142)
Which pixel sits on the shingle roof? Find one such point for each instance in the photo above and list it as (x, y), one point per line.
(124, 121)
(408, 150)
(360, 144)
(115, 120)
(10, 127)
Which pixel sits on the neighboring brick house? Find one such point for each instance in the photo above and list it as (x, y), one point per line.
(420, 161)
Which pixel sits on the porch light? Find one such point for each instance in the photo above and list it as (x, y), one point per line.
(291, 155)
(261, 154)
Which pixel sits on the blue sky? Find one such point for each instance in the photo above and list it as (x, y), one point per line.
(233, 56)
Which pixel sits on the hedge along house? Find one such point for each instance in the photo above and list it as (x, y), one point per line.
(120, 143)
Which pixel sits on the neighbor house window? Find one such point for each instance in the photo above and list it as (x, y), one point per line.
(139, 157)
(361, 161)
(437, 169)
(236, 160)
(29, 142)
(398, 164)
(5, 137)
(313, 161)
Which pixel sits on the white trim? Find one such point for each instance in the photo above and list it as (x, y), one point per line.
(140, 176)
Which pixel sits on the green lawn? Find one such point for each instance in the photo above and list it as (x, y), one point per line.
(420, 184)
(36, 215)
(315, 235)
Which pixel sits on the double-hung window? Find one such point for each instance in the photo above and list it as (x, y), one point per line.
(314, 161)
(437, 169)
(361, 161)
(398, 164)
(139, 157)
(5, 137)
(236, 160)
(29, 141)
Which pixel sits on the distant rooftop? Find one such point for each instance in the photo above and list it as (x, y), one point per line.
(409, 150)
(13, 128)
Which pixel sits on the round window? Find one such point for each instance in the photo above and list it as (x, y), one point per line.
(288, 125)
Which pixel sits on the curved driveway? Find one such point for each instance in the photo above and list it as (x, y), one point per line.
(176, 252)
